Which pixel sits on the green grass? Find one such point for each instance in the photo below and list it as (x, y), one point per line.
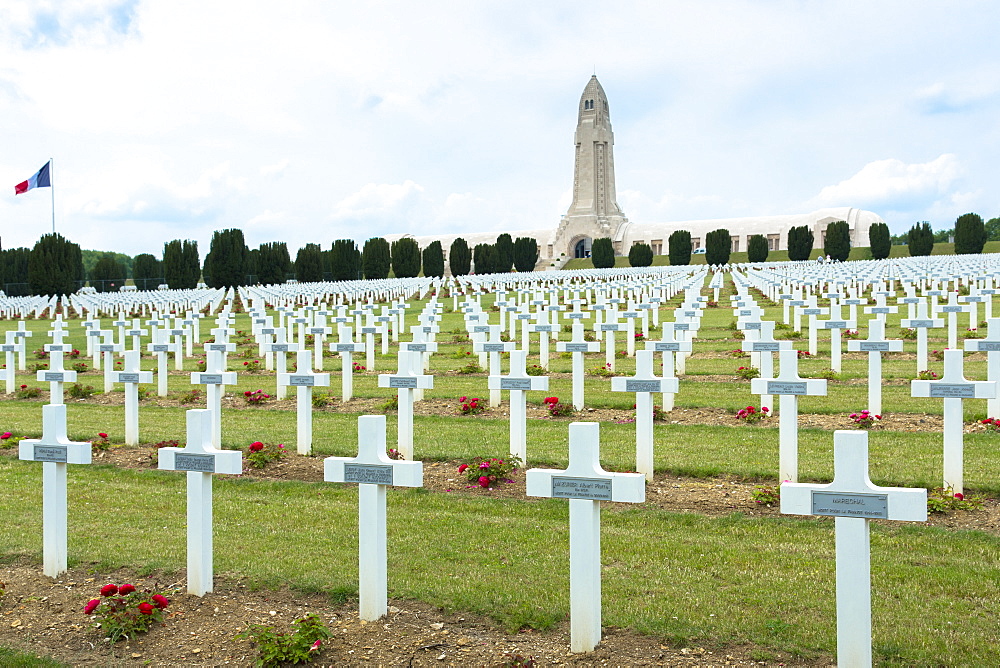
(684, 578)
(11, 658)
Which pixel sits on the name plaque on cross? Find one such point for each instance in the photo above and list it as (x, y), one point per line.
(190, 462)
(301, 381)
(490, 347)
(952, 309)
(593, 489)
(642, 385)
(54, 377)
(880, 309)
(279, 347)
(128, 378)
(210, 379)
(681, 326)
(957, 391)
(873, 346)
(480, 329)
(402, 383)
(666, 346)
(751, 325)
(220, 347)
(371, 474)
(921, 323)
(843, 504)
(577, 347)
(764, 347)
(344, 348)
(576, 316)
(317, 330)
(835, 324)
(543, 328)
(369, 330)
(161, 347)
(611, 328)
(50, 453)
(523, 384)
(417, 347)
(777, 387)
(988, 346)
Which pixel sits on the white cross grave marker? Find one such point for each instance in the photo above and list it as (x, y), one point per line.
(585, 484)
(668, 345)
(853, 500)
(131, 377)
(494, 346)
(55, 450)
(407, 380)
(991, 346)
(643, 384)
(281, 348)
(790, 387)
(953, 388)
(374, 471)
(921, 323)
(875, 345)
(518, 382)
(578, 346)
(304, 379)
(200, 458)
(10, 348)
(215, 378)
(346, 347)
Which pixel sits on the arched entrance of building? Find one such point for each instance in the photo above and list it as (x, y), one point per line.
(582, 247)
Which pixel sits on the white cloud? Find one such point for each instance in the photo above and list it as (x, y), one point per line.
(894, 184)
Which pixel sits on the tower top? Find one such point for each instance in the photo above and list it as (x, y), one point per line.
(594, 105)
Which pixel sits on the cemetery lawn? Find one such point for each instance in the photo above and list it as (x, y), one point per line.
(698, 567)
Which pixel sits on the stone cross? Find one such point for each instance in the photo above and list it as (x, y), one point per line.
(609, 327)
(319, 333)
(55, 450)
(494, 346)
(281, 348)
(991, 346)
(630, 318)
(544, 330)
(346, 347)
(136, 333)
(22, 333)
(10, 348)
(853, 500)
(765, 346)
(953, 308)
(578, 346)
(518, 382)
(108, 348)
(374, 471)
(812, 311)
(921, 323)
(406, 381)
(161, 349)
(215, 378)
(790, 387)
(369, 331)
(668, 345)
(131, 377)
(56, 375)
(200, 458)
(643, 384)
(953, 388)
(585, 484)
(304, 379)
(875, 345)
(835, 324)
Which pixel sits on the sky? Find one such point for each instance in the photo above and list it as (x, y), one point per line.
(306, 122)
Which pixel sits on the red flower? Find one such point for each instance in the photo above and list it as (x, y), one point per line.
(247, 393)
(103, 435)
(959, 496)
(109, 590)
(763, 408)
(484, 481)
(256, 446)
(92, 605)
(146, 608)
(461, 469)
(6, 435)
(462, 400)
(126, 589)
(161, 601)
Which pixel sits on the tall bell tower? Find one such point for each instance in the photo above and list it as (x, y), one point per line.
(594, 212)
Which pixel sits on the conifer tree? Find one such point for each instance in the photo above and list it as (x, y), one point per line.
(602, 253)
(837, 244)
(55, 266)
(879, 241)
(718, 245)
(525, 254)
(459, 257)
(405, 256)
(376, 259)
(433, 259)
(679, 248)
(757, 248)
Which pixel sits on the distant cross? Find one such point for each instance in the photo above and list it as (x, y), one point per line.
(281, 348)
(953, 308)
(214, 378)
(494, 346)
(853, 500)
(585, 484)
(544, 329)
(11, 347)
(108, 348)
(991, 346)
(56, 375)
(131, 377)
(578, 346)
(374, 471)
(518, 382)
(790, 387)
(668, 346)
(161, 348)
(835, 324)
(200, 458)
(346, 347)
(609, 327)
(953, 388)
(875, 345)
(921, 323)
(644, 383)
(304, 379)
(406, 381)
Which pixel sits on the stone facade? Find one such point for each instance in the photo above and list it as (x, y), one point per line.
(595, 213)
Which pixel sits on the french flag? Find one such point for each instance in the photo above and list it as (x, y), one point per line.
(39, 180)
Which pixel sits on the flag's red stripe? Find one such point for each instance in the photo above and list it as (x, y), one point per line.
(21, 188)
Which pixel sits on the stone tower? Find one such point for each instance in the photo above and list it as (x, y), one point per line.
(594, 212)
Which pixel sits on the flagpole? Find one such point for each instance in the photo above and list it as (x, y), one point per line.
(52, 187)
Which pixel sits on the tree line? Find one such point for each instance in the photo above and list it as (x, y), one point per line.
(56, 265)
